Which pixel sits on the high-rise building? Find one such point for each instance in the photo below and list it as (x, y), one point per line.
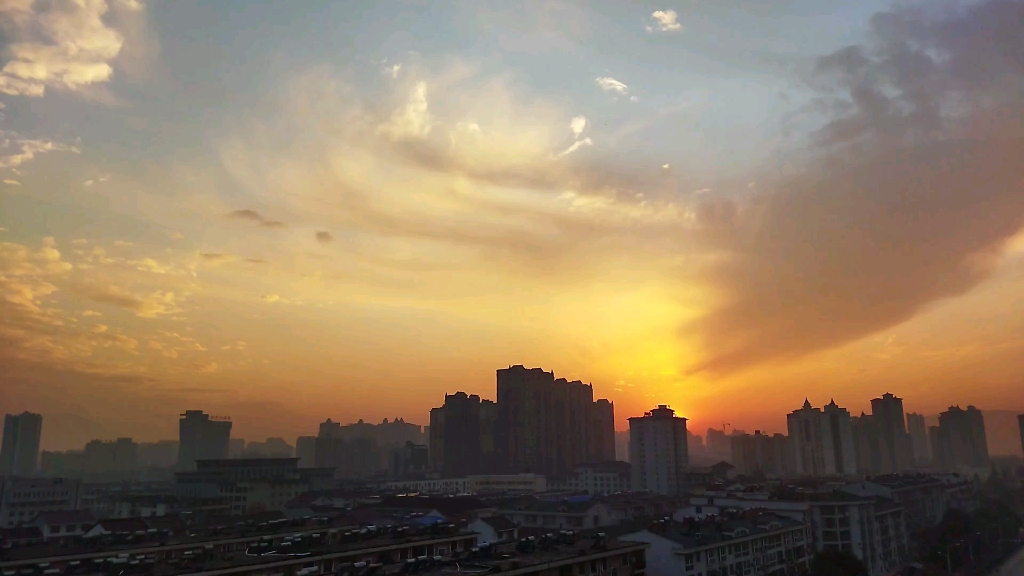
(546, 425)
(435, 441)
(868, 446)
(602, 432)
(822, 441)
(305, 451)
(202, 437)
(658, 451)
(960, 439)
(918, 431)
(892, 426)
(121, 455)
(19, 453)
(759, 453)
(461, 434)
(1020, 425)
(718, 445)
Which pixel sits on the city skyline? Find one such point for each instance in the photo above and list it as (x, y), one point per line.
(290, 213)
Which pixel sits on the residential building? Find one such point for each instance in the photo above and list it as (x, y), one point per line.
(19, 452)
(752, 543)
(889, 416)
(597, 478)
(869, 448)
(873, 529)
(658, 451)
(822, 441)
(548, 426)
(118, 456)
(924, 498)
(230, 550)
(960, 440)
(457, 427)
(565, 514)
(918, 431)
(160, 454)
(253, 485)
(759, 453)
(305, 451)
(269, 448)
(482, 484)
(202, 437)
(63, 524)
(602, 432)
(719, 446)
(407, 461)
(494, 529)
(349, 456)
(1020, 425)
(22, 499)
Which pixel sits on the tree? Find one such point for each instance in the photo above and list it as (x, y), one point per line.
(837, 563)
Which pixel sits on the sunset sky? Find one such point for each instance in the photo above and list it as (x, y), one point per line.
(298, 210)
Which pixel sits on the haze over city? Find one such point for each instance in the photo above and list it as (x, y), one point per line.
(292, 211)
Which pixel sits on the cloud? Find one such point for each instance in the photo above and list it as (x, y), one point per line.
(411, 121)
(213, 257)
(664, 21)
(15, 151)
(577, 125)
(89, 313)
(208, 367)
(12, 182)
(254, 216)
(60, 44)
(576, 146)
(270, 297)
(609, 84)
(910, 195)
(634, 98)
(393, 70)
(324, 237)
(152, 305)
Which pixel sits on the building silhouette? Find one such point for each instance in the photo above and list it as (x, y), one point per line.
(869, 447)
(549, 426)
(759, 453)
(202, 437)
(1020, 425)
(892, 428)
(462, 435)
(118, 456)
(658, 452)
(305, 451)
(919, 438)
(19, 453)
(822, 441)
(961, 440)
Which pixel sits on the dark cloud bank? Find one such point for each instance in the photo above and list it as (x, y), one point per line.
(917, 184)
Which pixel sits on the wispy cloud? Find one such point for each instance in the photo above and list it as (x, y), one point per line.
(578, 125)
(324, 237)
(411, 121)
(609, 84)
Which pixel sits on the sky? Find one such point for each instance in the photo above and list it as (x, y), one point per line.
(284, 212)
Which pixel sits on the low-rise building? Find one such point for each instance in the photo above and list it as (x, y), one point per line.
(22, 499)
(566, 514)
(924, 498)
(753, 543)
(873, 529)
(482, 484)
(494, 529)
(597, 479)
(252, 485)
(64, 524)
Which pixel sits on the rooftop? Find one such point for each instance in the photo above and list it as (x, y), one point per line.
(693, 533)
